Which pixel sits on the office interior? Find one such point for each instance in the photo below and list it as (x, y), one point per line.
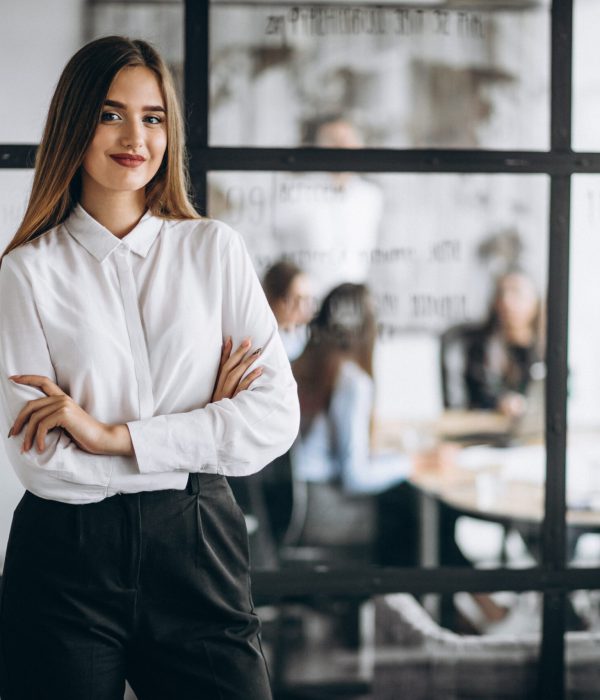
(427, 150)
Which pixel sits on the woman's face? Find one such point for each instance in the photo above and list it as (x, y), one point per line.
(516, 301)
(297, 307)
(133, 123)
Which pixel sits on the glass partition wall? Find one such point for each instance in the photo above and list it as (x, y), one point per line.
(423, 148)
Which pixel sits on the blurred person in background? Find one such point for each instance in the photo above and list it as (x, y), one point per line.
(290, 295)
(335, 443)
(502, 353)
(328, 223)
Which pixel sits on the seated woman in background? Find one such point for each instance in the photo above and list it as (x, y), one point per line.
(500, 354)
(336, 391)
(498, 360)
(289, 292)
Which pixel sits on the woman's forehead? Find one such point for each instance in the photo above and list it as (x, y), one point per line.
(136, 85)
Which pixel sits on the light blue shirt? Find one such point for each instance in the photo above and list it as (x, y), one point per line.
(336, 445)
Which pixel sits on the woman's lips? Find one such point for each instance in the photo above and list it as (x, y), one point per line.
(128, 161)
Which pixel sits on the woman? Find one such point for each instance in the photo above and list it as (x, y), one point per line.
(501, 353)
(334, 446)
(127, 556)
(336, 391)
(289, 293)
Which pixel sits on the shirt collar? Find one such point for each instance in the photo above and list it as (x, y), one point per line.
(100, 242)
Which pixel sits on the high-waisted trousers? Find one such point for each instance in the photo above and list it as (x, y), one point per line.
(152, 587)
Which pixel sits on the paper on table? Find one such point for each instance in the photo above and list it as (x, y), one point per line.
(526, 463)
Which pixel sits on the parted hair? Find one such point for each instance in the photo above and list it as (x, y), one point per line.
(75, 111)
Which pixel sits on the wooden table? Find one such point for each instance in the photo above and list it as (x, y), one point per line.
(492, 489)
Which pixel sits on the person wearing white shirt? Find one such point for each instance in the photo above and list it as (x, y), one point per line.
(328, 223)
(126, 406)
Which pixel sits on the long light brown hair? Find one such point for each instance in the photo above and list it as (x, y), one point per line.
(344, 328)
(75, 111)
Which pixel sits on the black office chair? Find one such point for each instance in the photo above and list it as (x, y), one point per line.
(328, 526)
(453, 352)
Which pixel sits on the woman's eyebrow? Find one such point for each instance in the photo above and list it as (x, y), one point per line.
(147, 108)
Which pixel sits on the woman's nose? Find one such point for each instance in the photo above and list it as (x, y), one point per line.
(132, 135)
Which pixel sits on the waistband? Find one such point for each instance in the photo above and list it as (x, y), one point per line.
(196, 480)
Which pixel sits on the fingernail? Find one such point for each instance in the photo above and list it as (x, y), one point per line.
(257, 351)
(246, 343)
(10, 432)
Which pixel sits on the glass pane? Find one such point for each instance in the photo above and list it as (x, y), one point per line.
(586, 81)
(380, 75)
(161, 23)
(445, 370)
(33, 57)
(583, 455)
(14, 194)
(387, 647)
(582, 622)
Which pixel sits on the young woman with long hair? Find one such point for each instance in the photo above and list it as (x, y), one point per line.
(126, 406)
(501, 353)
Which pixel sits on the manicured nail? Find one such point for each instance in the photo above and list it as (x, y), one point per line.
(257, 351)
(246, 343)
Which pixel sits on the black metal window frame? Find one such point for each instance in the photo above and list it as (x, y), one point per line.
(552, 577)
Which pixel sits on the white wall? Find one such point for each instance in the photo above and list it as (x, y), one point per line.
(36, 40)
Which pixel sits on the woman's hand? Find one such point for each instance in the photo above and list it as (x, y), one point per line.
(57, 410)
(512, 404)
(439, 460)
(231, 369)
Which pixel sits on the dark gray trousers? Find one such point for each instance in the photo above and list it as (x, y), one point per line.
(151, 587)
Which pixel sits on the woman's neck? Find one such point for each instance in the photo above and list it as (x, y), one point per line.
(119, 212)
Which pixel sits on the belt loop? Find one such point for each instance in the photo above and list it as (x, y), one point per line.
(193, 484)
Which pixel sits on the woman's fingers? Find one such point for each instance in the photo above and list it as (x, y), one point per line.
(225, 350)
(235, 374)
(44, 383)
(232, 366)
(29, 408)
(236, 357)
(32, 432)
(248, 379)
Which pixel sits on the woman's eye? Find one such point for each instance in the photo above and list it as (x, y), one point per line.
(153, 119)
(109, 117)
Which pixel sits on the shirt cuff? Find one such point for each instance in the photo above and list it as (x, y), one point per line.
(159, 446)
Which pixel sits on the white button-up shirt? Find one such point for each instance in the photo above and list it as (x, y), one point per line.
(132, 329)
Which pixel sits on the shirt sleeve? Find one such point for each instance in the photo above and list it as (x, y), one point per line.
(237, 436)
(24, 350)
(360, 470)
